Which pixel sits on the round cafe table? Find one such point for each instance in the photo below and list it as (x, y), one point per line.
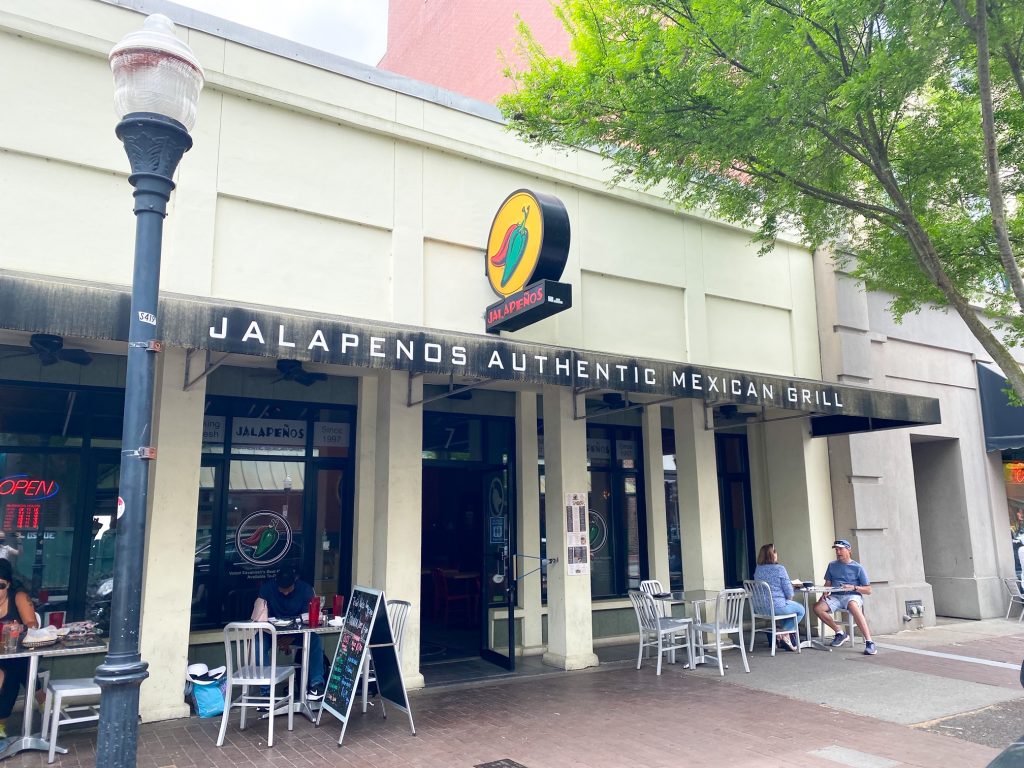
(811, 642)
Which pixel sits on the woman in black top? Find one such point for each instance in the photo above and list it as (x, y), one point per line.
(16, 606)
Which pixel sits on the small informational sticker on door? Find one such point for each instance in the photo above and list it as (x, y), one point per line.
(577, 535)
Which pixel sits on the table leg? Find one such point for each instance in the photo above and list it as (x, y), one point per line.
(810, 642)
(303, 706)
(27, 740)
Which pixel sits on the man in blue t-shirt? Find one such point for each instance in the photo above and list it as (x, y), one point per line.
(849, 583)
(287, 598)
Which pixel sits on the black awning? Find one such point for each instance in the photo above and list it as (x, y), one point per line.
(38, 304)
(1004, 422)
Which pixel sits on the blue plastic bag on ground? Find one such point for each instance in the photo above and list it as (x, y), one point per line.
(208, 700)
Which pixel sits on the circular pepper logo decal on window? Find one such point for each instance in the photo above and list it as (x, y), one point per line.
(263, 538)
(598, 532)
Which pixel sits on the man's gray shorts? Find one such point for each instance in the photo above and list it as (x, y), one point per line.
(840, 602)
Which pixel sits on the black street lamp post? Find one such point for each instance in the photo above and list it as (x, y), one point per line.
(157, 81)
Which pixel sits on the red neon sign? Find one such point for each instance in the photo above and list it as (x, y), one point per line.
(30, 488)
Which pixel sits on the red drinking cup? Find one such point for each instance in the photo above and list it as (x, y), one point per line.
(57, 619)
(314, 612)
(338, 608)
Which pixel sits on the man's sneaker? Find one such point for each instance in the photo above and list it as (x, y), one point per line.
(839, 639)
(869, 649)
(315, 692)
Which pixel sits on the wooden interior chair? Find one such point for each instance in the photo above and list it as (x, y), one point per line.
(1013, 588)
(728, 621)
(444, 598)
(656, 631)
(244, 642)
(762, 606)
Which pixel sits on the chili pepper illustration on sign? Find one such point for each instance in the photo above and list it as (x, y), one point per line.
(513, 246)
(254, 538)
(268, 538)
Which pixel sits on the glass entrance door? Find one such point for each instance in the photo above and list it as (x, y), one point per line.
(331, 556)
(498, 569)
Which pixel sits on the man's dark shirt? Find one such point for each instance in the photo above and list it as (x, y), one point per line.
(288, 606)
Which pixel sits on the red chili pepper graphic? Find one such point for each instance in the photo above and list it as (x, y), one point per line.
(254, 538)
(498, 258)
(516, 247)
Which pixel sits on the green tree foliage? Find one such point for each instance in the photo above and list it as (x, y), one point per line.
(891, 131)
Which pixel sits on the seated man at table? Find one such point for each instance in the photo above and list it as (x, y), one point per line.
(15, 606)
(849, 583)
(288, 598)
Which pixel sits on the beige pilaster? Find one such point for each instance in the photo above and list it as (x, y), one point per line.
(570, 625)
(398, 517)
(171, 538)
(366, 484)
(797, 479)
(528, 531)
(699, 512)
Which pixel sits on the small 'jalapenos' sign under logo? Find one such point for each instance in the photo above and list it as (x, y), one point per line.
(263, 538)
(526, 252)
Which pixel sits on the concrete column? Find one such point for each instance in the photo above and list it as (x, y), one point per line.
(654, 492)
(570, 624)
(799, 495)
(528, 531)
(171, 539)
(398, 516)
(366, 484)
(699, 513)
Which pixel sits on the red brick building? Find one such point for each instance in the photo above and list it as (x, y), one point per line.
(455, 44)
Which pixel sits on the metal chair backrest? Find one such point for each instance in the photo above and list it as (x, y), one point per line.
(729, 608)
(398, 612)
(652, 587)
(761, 597)
(646, 611)
(1013, 586)
(243, 648)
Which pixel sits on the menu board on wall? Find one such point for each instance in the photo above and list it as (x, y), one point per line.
(365, 634)
(577, 535)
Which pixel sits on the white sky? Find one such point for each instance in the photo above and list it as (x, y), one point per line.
(355, 29)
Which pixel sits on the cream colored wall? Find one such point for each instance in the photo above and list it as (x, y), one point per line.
(308, 189)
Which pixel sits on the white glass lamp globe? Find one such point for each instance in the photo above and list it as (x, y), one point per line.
(156, 72)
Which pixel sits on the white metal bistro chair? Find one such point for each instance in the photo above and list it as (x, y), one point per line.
(762, 606)
(57, 711)
(244, 642)
(728, 621)
(844, 618)
(398, 612)
(1013, 588)
(657, 631)
(654, 587)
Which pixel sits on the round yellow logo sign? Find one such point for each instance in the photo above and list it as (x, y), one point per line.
(513, 246)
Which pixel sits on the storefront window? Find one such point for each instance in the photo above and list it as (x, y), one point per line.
(675, 545)
(1013, 477)
(273, 493)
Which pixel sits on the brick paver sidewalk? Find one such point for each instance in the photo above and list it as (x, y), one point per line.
(601, 719)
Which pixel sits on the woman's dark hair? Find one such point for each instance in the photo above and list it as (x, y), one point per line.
(6, 572)
(766, 555)
(286, 577)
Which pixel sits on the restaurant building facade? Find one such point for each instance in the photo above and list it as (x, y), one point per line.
(327, 395)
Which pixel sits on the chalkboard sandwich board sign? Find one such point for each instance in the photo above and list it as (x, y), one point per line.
(366, 634)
